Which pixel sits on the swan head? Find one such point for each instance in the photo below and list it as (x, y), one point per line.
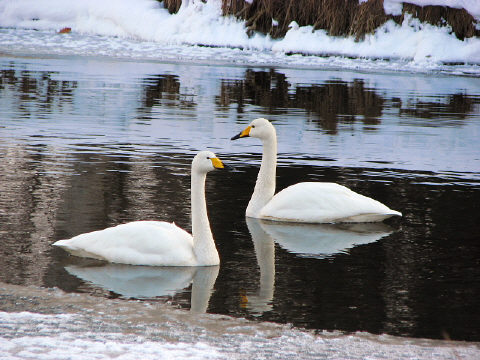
(259, 128)
(206, 161)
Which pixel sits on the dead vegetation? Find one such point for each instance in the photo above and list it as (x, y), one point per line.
(461, 22)
(171, 5)
(336, 17)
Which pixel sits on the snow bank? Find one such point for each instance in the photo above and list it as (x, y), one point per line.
(411, 40)
(198, 23)
(195, 23)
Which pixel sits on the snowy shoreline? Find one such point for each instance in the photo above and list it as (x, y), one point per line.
(199, 33)
(49, 323)
(45, 44)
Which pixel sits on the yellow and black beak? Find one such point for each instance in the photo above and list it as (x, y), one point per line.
(217, 163)
(244, 133)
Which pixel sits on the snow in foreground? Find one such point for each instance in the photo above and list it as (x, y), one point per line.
(50, 324)
(143, 29)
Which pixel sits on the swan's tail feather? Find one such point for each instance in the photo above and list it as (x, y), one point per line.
(61, 243)
(64, 244)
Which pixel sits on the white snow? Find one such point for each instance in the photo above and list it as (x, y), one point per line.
(143, 29)
(411, 40)
(134, 330)
(39, 337)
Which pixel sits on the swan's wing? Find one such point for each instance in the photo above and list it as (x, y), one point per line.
(316, 202)
(153, 243)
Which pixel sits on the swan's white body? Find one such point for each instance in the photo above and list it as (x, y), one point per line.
(317, 202)
(157, 243)
(307, 202)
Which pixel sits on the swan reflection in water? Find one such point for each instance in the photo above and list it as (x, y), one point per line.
(305, 240)
(324, 240)
(261, 301)
(150, 281)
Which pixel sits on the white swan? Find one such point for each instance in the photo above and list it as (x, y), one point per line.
(309, 202)
(157, 243)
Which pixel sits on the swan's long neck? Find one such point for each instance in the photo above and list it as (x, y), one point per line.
(265, 185)
(203, 243)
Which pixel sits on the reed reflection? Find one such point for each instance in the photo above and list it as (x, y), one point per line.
(454, 106)
(37, 92)
(327, 104)
(335, 101)
(165, 90)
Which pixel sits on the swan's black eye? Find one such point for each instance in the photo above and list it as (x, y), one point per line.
(253, 126)
(208, 157)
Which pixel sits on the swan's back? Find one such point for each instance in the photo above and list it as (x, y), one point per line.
(317, 202)
(155, 243)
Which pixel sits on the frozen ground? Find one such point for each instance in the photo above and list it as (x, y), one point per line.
(41, 324)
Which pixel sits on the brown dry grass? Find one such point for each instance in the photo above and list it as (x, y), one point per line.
(368, 17)
(337, 17)
(332, 15)
(171, 5)
(462, 23)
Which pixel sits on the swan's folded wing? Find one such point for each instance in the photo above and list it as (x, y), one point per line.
(316, 202)
(135, 243)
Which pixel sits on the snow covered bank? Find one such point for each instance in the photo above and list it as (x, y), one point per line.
(66, 326)
(411, 40)
(198, 23)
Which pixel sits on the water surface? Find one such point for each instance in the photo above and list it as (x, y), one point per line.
(89, 143)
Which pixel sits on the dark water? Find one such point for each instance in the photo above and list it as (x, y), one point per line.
(86, 144)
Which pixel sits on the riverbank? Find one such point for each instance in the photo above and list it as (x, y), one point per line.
(48, 323)
(414, 37)
(355, 18)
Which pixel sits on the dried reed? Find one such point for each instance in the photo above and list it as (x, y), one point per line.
(337, 17)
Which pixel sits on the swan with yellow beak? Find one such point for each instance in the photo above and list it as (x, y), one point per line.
(157, 243)
(306, 202)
